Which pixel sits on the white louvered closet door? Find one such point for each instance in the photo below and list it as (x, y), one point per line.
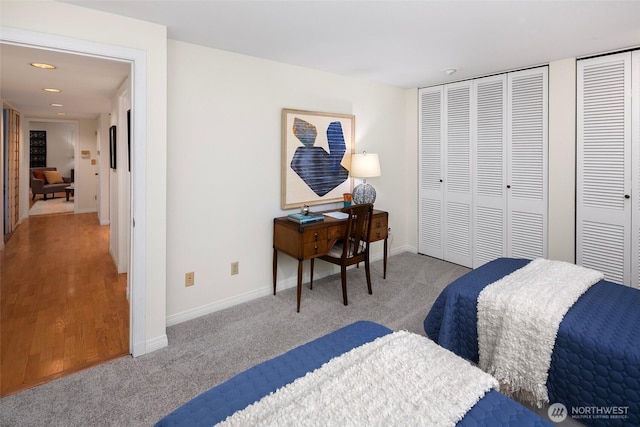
(527, 158)
(457, 174)
(489, 169)
(431, 173)
(604, 164)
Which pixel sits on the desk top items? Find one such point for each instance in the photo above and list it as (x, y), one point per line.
(305, 216)
(365, 165)
(305, 219)
(346, 200)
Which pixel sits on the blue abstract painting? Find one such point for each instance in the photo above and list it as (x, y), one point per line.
(320, 170)
(317, 150)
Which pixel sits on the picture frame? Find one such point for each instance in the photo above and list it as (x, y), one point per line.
(112, 147)
(316, 157)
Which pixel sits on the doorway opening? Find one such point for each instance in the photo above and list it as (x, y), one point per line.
(136, 208)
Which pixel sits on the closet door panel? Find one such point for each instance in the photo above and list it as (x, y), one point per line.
(431, 207)
(604, 164)
(527, 235)
(527, 154)
(457, 181)
(489, 169)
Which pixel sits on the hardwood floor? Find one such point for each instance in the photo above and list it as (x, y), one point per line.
(63, 307)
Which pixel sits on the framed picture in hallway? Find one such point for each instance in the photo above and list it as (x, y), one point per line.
(112, 147)
(316, 157)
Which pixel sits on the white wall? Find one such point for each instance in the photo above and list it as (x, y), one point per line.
(562, 159)
(86, 188)
(119, 181)
(223, 169)
(411, 168)
(102, 150)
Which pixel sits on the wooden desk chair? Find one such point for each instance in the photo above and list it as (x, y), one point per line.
(353, 248)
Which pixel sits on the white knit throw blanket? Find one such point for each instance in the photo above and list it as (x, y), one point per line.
(518, 320)
(398, 379)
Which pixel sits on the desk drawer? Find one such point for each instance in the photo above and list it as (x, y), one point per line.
(314, 235)
(314, 242)
(379, 227)
(312, 249)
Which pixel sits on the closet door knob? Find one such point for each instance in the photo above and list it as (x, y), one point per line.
(626, 196)
(508, 186)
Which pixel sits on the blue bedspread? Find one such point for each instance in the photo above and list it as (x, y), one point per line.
(249, 386)
(595, 364)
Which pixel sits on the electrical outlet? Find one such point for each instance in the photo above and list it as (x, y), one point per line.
(189, 279)
(235, 268)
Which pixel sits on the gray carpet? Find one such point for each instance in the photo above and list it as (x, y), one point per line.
(208, 350)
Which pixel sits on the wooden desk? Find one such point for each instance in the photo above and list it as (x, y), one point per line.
(313, 240)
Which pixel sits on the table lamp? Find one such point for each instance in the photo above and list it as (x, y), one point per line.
(364, 166)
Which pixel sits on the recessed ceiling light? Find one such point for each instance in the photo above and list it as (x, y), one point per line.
(50, 89)
(61, 114)
(56, 105)
(43, 66)
(450, 71)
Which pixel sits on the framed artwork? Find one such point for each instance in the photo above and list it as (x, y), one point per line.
(316, 157)
(112, 147)
(37, 148)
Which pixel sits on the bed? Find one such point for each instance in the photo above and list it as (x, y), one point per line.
(595, 362)
(221, 401)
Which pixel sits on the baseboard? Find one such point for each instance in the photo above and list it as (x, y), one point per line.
(407, 248)
(113, 256)
(83, 211)
(203, 310)
(290, 282)
(157, 343)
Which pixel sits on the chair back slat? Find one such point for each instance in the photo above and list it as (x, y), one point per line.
(356, 233)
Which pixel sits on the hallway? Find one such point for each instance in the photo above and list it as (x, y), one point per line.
(63, 307)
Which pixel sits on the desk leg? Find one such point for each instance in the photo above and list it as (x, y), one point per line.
(299, 283)
(275, 268)
(384, 262)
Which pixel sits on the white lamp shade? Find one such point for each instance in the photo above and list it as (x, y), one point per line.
(365, 165)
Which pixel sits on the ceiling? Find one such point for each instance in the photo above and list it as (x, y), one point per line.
(401, 43)
(87, 84)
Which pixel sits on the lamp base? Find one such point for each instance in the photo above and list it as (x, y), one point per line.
(364, 193)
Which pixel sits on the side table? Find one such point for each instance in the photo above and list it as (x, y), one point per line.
(68, 191)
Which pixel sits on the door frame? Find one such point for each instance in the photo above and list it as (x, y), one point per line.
(138, 238)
